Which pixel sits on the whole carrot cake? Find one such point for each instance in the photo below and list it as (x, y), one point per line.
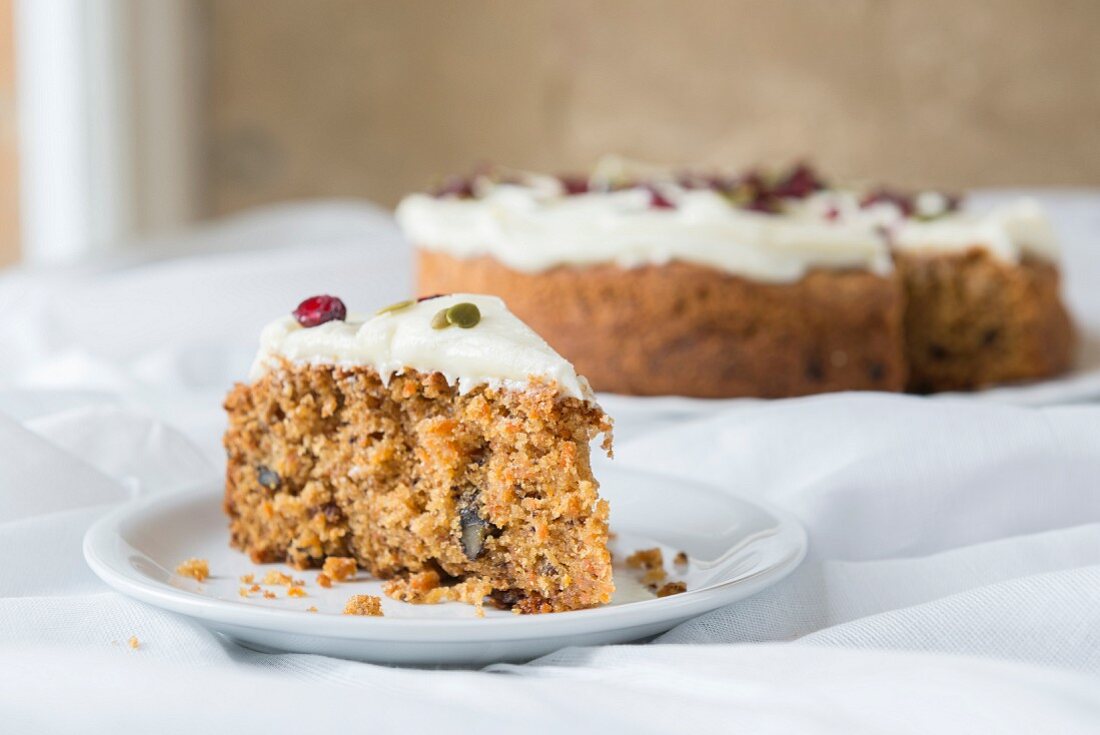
(657, 282)
(440, 443)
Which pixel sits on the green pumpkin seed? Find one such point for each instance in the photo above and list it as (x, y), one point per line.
(400, 305)
(464, 315)
(439, 321)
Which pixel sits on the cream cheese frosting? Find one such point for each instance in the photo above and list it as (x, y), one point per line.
(500, 351)
(534, 226)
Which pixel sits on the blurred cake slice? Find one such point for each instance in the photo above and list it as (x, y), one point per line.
(441, 443)
(983, 303)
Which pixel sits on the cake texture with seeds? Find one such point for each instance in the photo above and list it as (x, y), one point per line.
(441, 445)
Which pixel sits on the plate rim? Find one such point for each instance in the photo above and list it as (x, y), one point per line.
(104, 533)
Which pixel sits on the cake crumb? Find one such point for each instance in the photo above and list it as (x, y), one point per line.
(254, 588)
(311, 608)
(646, 559)
(671, 588)
(269, 595)
(194, 568)
(248, 578)
(364, 605)
(278, 578)
(340, 568)
(324, 580)
(652, 576)
(134, 642)
(296, 591)
(681, 559)
(243, 592)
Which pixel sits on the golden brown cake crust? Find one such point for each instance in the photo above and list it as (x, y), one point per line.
(489, 492)
(683, 329)
(972, 320)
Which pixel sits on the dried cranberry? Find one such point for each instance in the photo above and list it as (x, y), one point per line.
(658, 200)
(904, 202)
(832, 214)
(800, 182)
(574, 185)
(320, 309)
(461, 187)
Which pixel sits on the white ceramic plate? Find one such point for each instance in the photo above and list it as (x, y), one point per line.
(736, 549)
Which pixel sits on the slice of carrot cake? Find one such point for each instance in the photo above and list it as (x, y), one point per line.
(440, 443)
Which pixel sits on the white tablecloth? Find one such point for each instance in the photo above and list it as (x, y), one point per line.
(953, 583)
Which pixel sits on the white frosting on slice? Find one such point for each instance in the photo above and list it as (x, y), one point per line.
(500, 351)
(535, 227)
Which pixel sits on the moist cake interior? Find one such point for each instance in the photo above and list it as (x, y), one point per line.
(482, 496)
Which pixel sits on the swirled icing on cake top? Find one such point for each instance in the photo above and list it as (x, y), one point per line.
(533, 223)
(499, 351)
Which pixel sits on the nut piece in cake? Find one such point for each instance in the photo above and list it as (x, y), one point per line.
(364, 605)
(194, 568)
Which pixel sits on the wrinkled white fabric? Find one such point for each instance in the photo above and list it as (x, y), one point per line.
(953, 581)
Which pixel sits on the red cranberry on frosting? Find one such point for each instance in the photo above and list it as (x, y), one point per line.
(573, 185)
(904, 202)
(317, 310)
(798, 183)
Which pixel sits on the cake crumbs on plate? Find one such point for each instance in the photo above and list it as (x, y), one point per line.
(243, 592)
(681, 558)
(311, 608)
(254, 588)
(278, 578)
(296, 591)
(195, 568)
(269, 595)
(324, 580)
(671, 588)
(339, 568)
(134, 643)
(654, 575)
(646, 559)
(369, 605)
(248, 578)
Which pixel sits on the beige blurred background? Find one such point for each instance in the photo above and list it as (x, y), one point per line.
(372, 99)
